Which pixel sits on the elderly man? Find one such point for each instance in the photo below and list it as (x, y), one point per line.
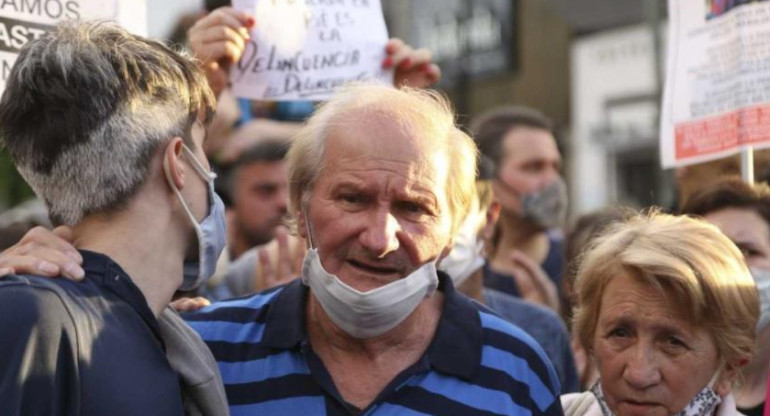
(107, 128)
(380, 180)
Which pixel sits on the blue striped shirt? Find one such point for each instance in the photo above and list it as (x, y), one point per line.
(477, 363)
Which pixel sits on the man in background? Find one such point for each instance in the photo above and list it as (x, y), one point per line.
(531, 192)
(258, 190)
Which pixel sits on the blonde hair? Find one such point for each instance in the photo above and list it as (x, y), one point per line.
(690, 262)
(428, 110)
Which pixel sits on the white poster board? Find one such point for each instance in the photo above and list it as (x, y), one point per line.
(25, 20)
(305, 49)
(717, 95)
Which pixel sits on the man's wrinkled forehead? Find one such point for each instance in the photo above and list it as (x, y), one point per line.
(370, 121)
(381, 141)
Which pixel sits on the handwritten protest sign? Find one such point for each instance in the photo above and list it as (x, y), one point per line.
(305, 49)
(717, 95)
(25, 20)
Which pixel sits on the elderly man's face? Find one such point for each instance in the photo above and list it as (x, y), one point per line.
(379, 207)
(652, 361)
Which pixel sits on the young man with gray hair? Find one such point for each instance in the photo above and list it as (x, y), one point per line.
(107, 128)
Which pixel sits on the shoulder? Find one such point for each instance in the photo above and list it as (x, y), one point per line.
(27, 301)
(233, 320)
(39, 348)
(36, 316)
(510, 350)
(502, 335)
(522, 313)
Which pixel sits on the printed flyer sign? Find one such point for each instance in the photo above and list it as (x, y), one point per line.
(305, 49)
(25, 20)
(717, 95)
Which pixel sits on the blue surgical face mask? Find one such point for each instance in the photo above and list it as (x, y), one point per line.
(210, 232)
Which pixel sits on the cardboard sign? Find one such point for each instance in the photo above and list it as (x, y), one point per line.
(717, 94)
(25, 20)
(306, 49)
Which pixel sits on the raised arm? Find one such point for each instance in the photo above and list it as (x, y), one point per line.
(218, 40)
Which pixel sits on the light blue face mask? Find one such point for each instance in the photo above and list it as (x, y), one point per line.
(211, 233)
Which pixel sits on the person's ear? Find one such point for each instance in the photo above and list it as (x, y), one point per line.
(493, 214)
(173, 167)
(301, 224)
(724, 383)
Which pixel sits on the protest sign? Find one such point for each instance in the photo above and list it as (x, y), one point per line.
(717, 95)
(25, 20)
(305, 49)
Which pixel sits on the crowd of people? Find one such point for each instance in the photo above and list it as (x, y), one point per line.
(371, 258)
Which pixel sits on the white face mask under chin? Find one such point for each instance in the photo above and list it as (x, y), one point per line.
(367, 314)
(372, 313)
(463, 261)
(467, 255)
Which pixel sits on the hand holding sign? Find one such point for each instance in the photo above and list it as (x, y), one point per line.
(218, 40)
(414, 68)
(305, 49)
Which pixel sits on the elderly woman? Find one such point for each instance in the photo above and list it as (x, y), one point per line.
(666, 308)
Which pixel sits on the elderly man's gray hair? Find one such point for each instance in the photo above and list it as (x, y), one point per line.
(429, 110)
(85, 108)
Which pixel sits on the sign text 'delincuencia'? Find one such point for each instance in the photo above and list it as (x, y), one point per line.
(305, 49)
